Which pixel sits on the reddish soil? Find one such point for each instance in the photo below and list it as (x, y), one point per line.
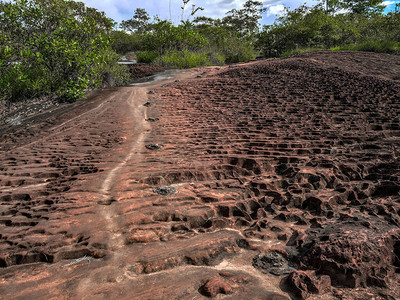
(277, 179)
(143, 70)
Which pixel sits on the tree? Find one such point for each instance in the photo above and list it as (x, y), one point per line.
(303, 27)
(361, 28)
(354, 7)
(138, 23)
(123, 42)
(56, 47)
(362, 7)
(245, 21)
(163, 36)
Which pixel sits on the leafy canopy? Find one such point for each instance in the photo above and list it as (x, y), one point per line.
(56, 47)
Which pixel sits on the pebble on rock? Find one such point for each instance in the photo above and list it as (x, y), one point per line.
(153, 146)
(165, 190)
(152, 119)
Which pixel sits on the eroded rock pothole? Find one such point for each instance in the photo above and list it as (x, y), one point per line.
(274, 263)
(153, 146)
(152, 119)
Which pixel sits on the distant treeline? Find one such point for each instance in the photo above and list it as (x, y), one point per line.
(198, 42)
(340, 25)
(63, 48)
(331, 24)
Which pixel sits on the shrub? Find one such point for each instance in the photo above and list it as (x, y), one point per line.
(187, 59)
(314, 28)
(146, 57)
(241, 52)
(57, 47)
(123, 42)
(390, 47)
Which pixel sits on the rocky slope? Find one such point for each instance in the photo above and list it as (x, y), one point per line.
(277, 179)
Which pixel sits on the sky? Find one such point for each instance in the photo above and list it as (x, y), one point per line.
(123, 9)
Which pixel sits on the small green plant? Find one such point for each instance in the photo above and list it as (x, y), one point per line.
(242, 52)
(146, 57)
(391, 47)
(187, 59)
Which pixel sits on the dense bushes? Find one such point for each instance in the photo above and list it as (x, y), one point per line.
(188, 59)
(146, 57)
(204, 41)
(389, 47)
(123, 42)
(342, 24)
(315, 28)
(225, 41)
(57, 47)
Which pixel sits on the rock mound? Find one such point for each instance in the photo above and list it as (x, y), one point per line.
(355, 253)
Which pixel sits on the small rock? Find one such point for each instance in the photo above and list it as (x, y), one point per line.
(215, 286)
(151, 92)
(199, 76)
(165, 190)
(153, 146)
(142, 236)
(106, 202)
(179, 227)
(305, 283)
(152, 119)
(14, 121)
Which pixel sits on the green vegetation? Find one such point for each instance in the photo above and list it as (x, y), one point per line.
(363, 28)
(300, 50)
(331, 24)
(201, 42)
(188, 59)
(146, 57)
(389, 47)
(53, 47)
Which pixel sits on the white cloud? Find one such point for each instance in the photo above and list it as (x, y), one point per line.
(387, 3)
(113, 9)
(275, 10)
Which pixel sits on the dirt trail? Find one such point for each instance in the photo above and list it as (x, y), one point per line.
(277, 179)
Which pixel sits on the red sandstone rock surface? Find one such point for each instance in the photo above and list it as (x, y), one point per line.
(277, 179)
(143, 70)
